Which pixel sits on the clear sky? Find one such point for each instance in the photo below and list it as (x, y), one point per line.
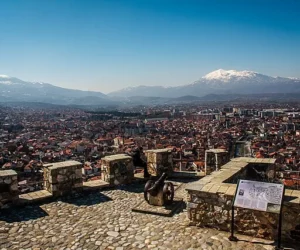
(106, 45)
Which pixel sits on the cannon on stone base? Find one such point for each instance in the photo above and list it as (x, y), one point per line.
(160, 192)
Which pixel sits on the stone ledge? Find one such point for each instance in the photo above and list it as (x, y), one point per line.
(96, 184)
(219, 177)
(254, 160)
(63, 164)
(117, 157)
(4, 173)
(33, 197)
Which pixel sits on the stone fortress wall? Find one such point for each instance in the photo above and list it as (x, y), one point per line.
(209, 199)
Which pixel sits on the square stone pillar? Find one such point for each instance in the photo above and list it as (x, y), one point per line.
(62, 177)
(117, 169)
(9, 192)
(214, 159)
(159, 161)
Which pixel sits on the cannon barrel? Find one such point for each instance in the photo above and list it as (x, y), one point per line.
(159, 183)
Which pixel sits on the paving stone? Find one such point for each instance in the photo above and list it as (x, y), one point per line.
(113, 234)
(104, 220)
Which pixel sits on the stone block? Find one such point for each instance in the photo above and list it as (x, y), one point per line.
(7, 180)
(117, 169)
(207, 187)
(78, 185)
(159, 161)
(8, 187)
(14, 187)
(53, 188)
(61, 178)
(231, 191)
(222, 189)
(214, 188)
(78, 172)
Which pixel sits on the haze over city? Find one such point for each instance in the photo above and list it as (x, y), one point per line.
(109, 45)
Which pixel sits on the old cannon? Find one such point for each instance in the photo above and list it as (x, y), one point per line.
(160, 192)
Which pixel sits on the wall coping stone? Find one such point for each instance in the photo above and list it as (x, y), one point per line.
(164, 150)
(62, 164)
(116, 157)
(9, 172)
(254, 160)
(216, 151)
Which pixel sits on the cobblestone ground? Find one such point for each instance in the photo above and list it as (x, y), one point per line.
(104, 220)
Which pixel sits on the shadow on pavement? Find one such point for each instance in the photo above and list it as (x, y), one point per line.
(26, 213)
(86, 199)
(132, 188)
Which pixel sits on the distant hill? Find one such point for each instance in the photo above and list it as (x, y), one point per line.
(15, 90)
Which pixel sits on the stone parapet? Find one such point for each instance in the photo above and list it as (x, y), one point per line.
(117, 169)
(210, 201)
(62, 177)
(159, 161)
(8, 187)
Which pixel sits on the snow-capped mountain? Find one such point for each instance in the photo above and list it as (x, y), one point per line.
(220, 82)
(229, 75)
(14, 89)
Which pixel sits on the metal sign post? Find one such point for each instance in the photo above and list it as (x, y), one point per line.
(280, 223)
(232, 237)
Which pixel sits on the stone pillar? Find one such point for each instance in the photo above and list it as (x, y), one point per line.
(214, 159)
(9, 192)
(117, 169)
(159, 161)
(62, 177)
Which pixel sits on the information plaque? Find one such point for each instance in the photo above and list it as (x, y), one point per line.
(262, 196)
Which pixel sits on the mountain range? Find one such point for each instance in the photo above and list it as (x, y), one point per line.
(219, 82)
(219, 85)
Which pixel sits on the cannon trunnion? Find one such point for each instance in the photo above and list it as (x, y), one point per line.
(160, 192)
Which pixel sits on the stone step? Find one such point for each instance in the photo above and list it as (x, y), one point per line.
(34, 197)
(96, 184)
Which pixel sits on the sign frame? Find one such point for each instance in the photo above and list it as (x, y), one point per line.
(260, 196)
(234, 238)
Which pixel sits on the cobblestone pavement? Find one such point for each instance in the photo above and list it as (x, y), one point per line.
(104, 220)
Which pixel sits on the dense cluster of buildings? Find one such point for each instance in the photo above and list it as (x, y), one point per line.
(30, 138)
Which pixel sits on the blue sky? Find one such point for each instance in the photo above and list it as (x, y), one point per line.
(110, 44)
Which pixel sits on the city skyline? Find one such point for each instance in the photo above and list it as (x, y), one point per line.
(109, 45)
